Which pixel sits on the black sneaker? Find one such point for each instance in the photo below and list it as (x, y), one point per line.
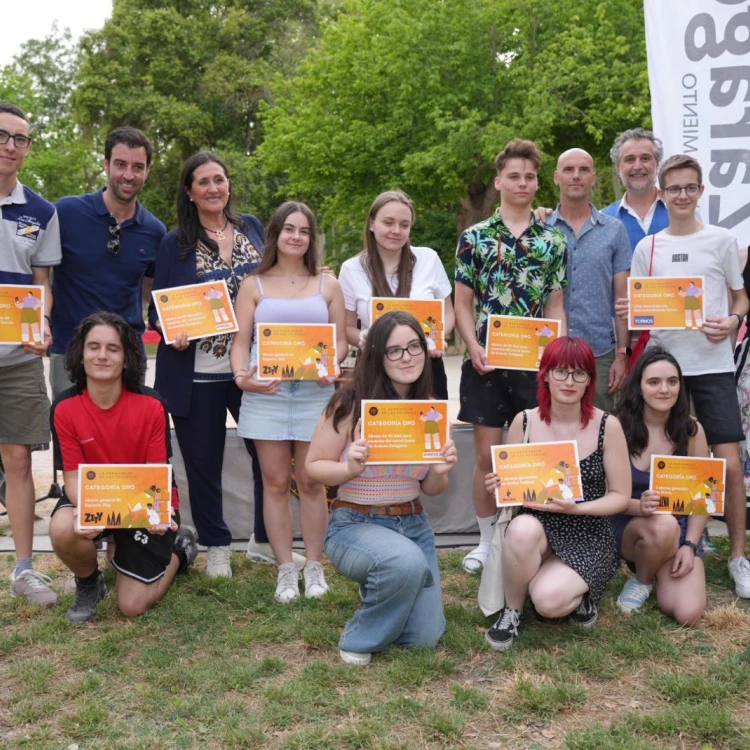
(186, 547)
(88, 595)
(500, 636)
(586, 615)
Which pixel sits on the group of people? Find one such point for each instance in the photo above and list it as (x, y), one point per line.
(109, 253)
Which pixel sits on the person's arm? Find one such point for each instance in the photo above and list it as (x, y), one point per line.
(717, 328)
(619, 369)
(40, 277)
(323, 462)
(464, 312)
(436, 481)
(449, 321)
(554, 308)
(515, 435)
(337, 315)
(352, 332)
(147, 285)
(640, 267)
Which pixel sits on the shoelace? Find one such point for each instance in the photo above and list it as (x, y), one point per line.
(288, 578)
(636, 589)
(314, 575)
(36, 580)
(508, 620)
(219, 555)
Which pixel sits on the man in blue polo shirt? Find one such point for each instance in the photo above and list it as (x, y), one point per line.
(109, 245)
(636, 155)
(29, 245)
(598, 266)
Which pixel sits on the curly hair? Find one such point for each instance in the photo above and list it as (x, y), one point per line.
(135, 358)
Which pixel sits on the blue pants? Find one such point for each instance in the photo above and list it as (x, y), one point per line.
(393, 558)
(201, 437)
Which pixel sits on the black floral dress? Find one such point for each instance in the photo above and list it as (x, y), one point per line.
(584, 543)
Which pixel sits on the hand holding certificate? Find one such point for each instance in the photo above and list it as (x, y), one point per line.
(665, 302)
(515, 343)
(688, 486)
(545, 475)
(296, 351)
(21, 314)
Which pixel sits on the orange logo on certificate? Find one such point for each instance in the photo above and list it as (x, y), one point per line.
(405, 432)
(124, 496)
(296, 351)
(200, 309)
(21, 314)
(515, 343)
(689, 486)
(536, 472)
(666, 302)
(429, 312)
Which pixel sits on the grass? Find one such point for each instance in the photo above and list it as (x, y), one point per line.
(218, 664)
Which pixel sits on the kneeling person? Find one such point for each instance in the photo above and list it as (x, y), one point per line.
(109, 418)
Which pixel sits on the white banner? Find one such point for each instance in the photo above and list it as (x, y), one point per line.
(699, 72)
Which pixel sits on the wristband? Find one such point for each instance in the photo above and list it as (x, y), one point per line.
(693, 546)
(739, 317)
(47, 317)
(624, 350)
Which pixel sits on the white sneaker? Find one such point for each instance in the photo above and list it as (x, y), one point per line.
(35, 587)
(287, 583)
(352, 657)
(315, 580)
(476, 559)
(260, 552)
(218, 565)
(739, 571)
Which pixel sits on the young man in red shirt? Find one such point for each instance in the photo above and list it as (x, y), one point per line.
(107, 417)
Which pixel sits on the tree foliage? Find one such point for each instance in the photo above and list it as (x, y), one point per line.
(421, 96)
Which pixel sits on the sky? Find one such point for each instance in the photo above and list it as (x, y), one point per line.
(77, 15)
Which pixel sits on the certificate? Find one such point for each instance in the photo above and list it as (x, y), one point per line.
(429, 312)
(199, 309)
(124, 496)
(515, 343)
(405, 432)
(536, 472)
(688, 486)
(666, 302)
(296, 351)
(21, 314)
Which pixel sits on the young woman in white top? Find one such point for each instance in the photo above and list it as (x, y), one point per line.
(389, 266)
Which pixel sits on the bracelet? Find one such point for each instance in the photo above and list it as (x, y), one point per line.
(239, 374)
(693, 546)
(48, 319)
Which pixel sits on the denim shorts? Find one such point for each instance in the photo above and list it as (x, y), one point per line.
(289, 414)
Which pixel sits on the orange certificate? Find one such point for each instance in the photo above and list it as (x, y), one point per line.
(515, 343)
(405, 432)
(429, 312)
(296, 351)
(200, 309)
(124, 496)
(21, 314)
(688, 486)
(537, 472)
(665, 302)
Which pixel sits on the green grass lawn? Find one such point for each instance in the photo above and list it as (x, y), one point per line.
(219, 664)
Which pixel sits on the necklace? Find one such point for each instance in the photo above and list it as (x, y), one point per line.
(218, 232)
(572, 437)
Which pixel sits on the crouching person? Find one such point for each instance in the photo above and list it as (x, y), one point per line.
(107, 417)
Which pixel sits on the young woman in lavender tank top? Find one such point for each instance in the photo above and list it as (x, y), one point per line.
(378, 534)
(280, 417)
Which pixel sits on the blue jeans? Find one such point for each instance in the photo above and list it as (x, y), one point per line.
(393, 558)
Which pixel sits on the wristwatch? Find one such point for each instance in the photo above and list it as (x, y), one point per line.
(740, 318)
(624, 350)
(693, 546)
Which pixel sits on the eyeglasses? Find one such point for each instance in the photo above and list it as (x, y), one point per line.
(114, 244)
(561, 374)
(21, 141)
(395, 353)
(691, 190)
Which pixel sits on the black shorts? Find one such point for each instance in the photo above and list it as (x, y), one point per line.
(716, 406)
(492, 400)
(139, 554)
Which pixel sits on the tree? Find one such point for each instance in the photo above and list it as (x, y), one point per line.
(191, 74)
(421, 96)
(40, 80)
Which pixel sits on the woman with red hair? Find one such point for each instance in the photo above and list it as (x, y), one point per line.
(563, 553)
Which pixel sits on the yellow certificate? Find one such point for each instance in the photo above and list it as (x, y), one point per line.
(200, 309)
(21, 314)
(537, 472)
(515, 343)
(405, 432)
(124, 496)
(429, 312)
(296, 351)
(688, 486)
(666, 302)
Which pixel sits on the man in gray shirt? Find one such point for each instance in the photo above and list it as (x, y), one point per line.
(598, 265)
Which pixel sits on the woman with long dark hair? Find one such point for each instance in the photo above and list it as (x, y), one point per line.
(390, 266)
(211, 242)
(662, 549)
(280, 417)
(562, 554)
(378, 534)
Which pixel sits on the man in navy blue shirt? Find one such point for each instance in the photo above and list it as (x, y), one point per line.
(109, 245)
(636, 155)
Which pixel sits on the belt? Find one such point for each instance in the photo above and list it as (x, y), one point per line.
(412, 507)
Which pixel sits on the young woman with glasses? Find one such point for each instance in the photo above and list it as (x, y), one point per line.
(562, 554)
(378, 534)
